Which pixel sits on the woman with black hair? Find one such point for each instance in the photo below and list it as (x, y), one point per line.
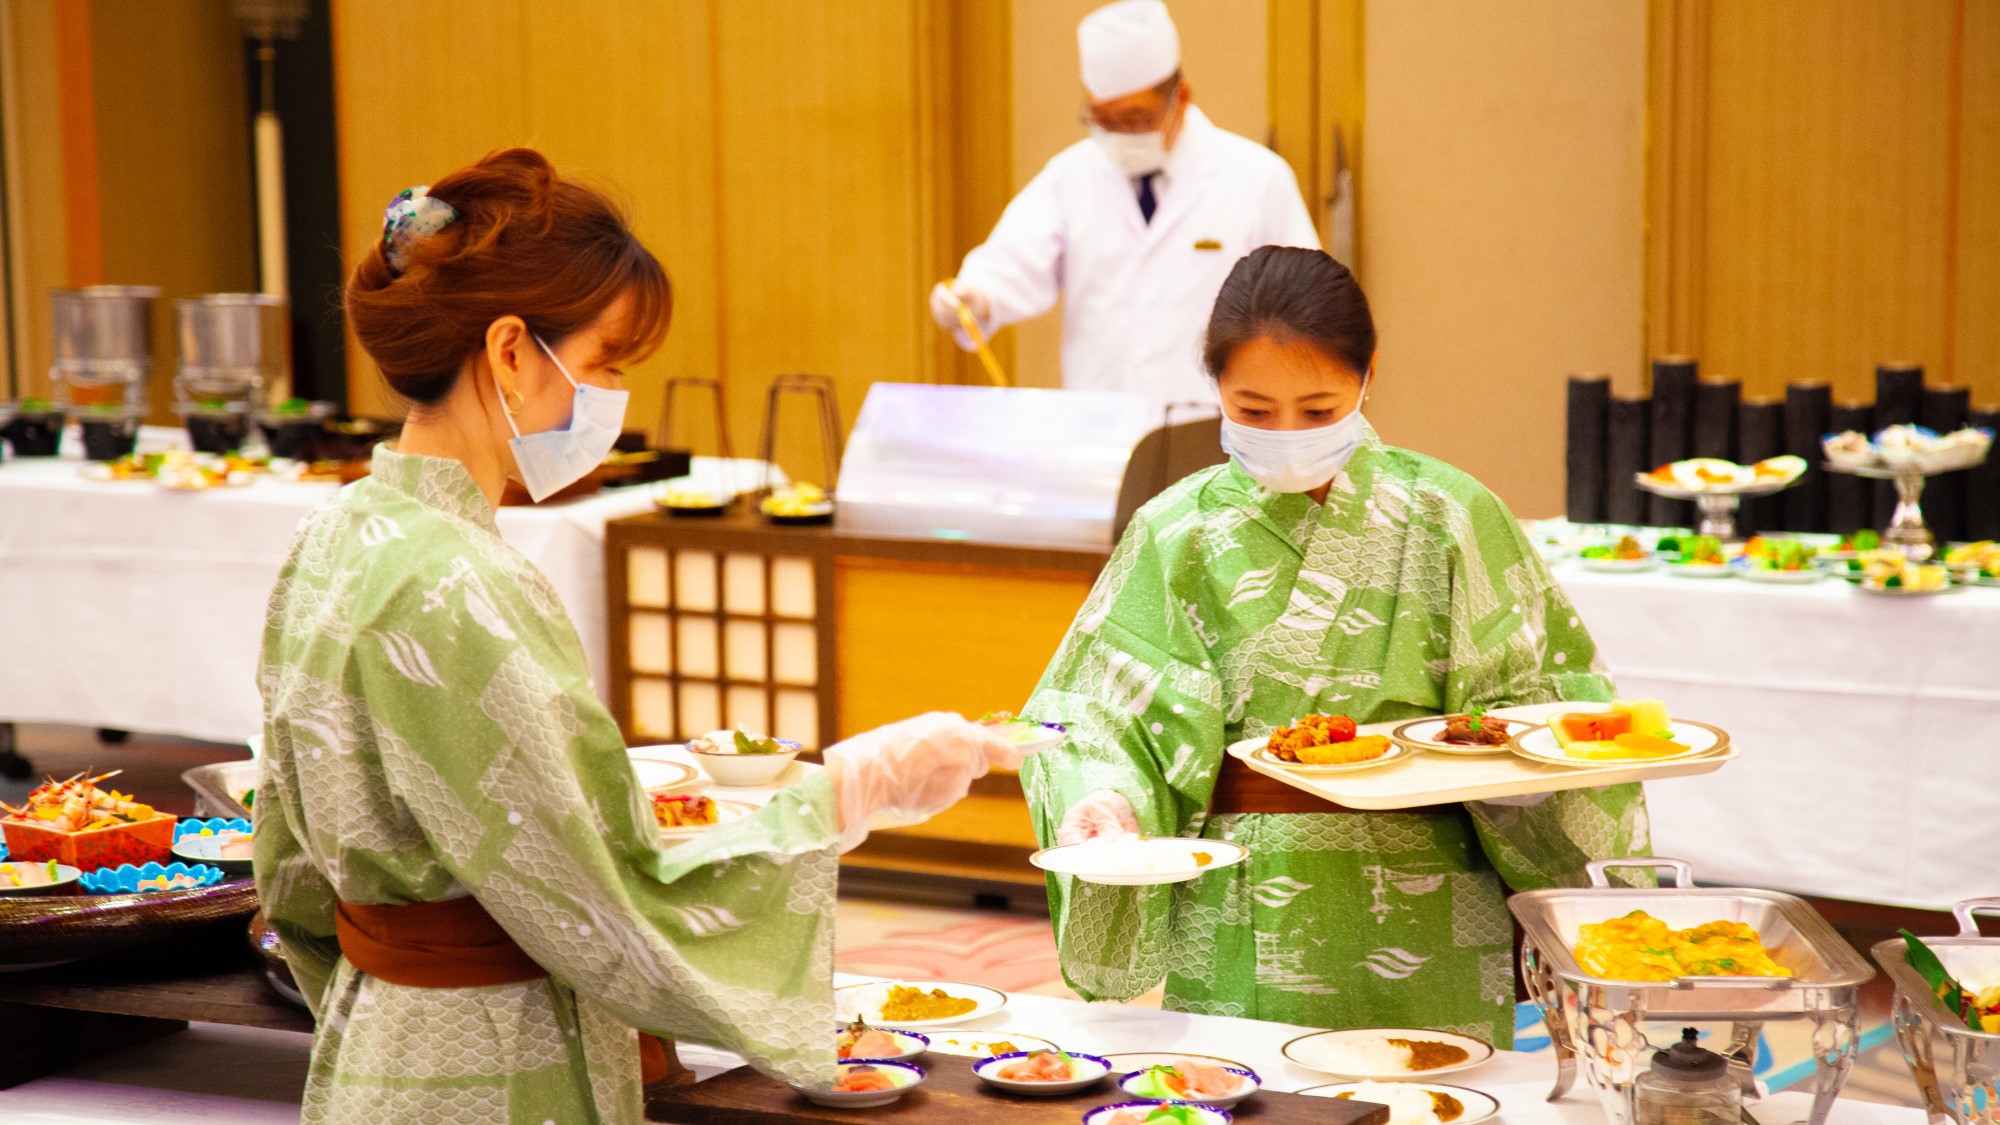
(1318, 571)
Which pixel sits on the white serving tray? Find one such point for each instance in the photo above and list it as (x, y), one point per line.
(1440, 779)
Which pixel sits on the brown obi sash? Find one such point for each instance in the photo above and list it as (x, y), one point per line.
(456, 944)
(1240, 789)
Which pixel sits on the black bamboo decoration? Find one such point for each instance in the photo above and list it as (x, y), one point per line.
(1847, 498)
(1625, 454)
(1589, 403)
(1982, 482)
(1899, 389)
(1670, 433)
(1760, 433)
(1715, 402)
(1942, 409)
(1807, 406)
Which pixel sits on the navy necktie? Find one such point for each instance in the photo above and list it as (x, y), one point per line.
(1147, 204)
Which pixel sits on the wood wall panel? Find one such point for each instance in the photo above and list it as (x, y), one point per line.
(37, 218)
(1317, 101)
(1976, 327)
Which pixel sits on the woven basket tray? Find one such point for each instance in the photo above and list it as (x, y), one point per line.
(47, 929)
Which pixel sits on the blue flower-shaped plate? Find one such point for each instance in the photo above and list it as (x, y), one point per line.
(125, 879)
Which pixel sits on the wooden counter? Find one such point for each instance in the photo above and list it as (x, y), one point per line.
(814, 633)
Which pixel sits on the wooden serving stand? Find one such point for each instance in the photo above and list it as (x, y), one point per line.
(951, 1095)
(55, 1018)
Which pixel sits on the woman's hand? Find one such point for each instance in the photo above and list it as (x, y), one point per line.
(910, 770)
(1103, 813)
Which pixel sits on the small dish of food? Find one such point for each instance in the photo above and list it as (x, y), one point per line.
(1415, 1103)
(1029, 736)
(128, 879)
(980, 1044)
(1625, 556)
(35, 877)
(916, 1003)
(224, 844)
(737, 759)
(682, 500)
(864, 1085)
(1624, 732)
(1387, 1052)
(801, 503)
(1474, 733)
(1157, 1112)
(1640, 947)
(1041, 1074)
(1891, 573)
(1326, 744)
(683, 816)
(1139, 861)
(1192, 1080)
(857, 1040)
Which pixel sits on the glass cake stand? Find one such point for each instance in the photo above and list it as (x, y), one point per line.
(1717, 505)
(1907, 530)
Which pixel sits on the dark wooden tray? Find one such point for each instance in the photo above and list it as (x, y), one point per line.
(953, 1095)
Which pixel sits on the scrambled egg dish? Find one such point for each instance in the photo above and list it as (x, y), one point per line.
(1641, 947)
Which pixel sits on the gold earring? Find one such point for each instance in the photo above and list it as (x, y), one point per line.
(513, 399)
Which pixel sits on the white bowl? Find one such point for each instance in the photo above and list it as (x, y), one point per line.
(909, 1044)
(739, 771)
(865, 1099)
(1089, 1071)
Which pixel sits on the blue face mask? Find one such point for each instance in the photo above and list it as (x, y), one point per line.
(1294, 460)
(553, 460)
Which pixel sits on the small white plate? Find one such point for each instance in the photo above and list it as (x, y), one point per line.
(1178, 855)
(1478, 1106)
(1247, 1083)
(1127, 1061)
(196, 848)
(1088, 1069)
(1804, 577)
(725, 813)
(65, 875)
(1538, 744)
(866, 1099)
(661, 775)
(1029, 738)
(1316, 1051)
(1260, 750)
(1617, 566)
(909, 1044)
(1198, 1113)
(1423, 734)
(1699, 570)
(979, 1044)
(1907, 592)
(865, 1002)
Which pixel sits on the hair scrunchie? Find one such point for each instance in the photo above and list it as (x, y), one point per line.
(413, 214)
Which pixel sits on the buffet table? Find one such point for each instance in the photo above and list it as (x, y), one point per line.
(125, 606)
(1868, 724)
(222, 1075)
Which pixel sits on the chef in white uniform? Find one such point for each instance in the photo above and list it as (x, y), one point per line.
(1135, 227)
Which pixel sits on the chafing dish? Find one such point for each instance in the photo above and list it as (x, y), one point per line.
(219, 788)
(1600, 1020)
(1957, 1068)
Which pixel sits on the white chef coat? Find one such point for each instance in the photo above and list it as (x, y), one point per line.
(1136, 296)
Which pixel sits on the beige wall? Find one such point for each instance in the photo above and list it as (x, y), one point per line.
(1223, 56)
(1501, 239)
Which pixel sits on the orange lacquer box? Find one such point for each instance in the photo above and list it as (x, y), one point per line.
(148, 840)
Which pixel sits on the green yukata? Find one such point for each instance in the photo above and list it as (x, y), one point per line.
(1229, 610)
(431, 732)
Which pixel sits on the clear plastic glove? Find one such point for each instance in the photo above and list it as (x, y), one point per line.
(910, 771)
(945, 300)
(1103, 813)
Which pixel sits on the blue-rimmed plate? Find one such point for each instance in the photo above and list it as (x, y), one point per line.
(1084, 1071)
(200, 847)
(908, 1044)
(906, 1076)
(1139, 1084)
(1198, 1114)
(126, 879)
(190, 826)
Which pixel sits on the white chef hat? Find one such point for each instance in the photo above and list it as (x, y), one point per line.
(1127, 47)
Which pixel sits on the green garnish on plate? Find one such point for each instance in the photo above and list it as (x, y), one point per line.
(747, 745)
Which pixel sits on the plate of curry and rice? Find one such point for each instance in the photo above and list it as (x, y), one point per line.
(1387, 1053)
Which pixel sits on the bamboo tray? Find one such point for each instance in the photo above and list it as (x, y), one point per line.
(1440, 779)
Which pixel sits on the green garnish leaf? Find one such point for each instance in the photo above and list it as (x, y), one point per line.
(1178, 1113)
(747, 745)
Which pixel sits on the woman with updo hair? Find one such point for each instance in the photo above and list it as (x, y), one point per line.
(1318, 571)
(468, 884)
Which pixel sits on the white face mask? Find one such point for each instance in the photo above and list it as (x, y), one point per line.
(1135, 154)
(555, 459)
(1293, 460)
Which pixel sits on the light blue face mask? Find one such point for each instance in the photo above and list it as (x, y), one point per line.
(1295, 460)
(553, 460)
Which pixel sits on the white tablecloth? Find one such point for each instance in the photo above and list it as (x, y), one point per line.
(1869, 728)
(222, 1076)
(126, 606)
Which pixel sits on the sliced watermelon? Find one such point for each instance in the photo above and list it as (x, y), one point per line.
(1578, 727)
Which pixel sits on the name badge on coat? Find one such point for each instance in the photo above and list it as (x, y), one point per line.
(1207, 244)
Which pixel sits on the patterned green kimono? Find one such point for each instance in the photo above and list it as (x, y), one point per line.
(1229, 610)
(430, 732)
